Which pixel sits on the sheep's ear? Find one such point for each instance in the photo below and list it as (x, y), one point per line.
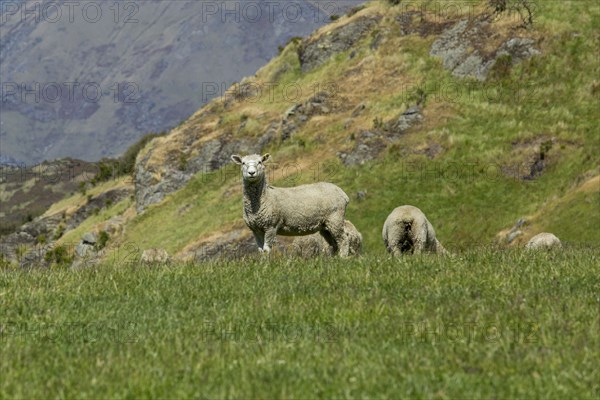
(236, 159)
(266, 157)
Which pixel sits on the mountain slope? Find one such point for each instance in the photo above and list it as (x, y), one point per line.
(86, 80)
(477, 136)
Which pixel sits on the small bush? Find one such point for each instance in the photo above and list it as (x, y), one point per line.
(502, 67)
(59, 256)
(4, 263)
(60, 229)
(545, 148)
(355, 9)
(103, 238)
(294, 40)
(182, 163)
(111, 168)
(524, 8)
(7, 229)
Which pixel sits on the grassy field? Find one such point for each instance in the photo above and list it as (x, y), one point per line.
(481, 324)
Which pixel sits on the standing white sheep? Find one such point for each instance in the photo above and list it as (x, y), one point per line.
(543, 240)
(314, 245)
(407, 230)
(295, 211)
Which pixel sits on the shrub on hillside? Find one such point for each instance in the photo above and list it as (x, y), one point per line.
(59, 256)
(109, 168)
(524, 8)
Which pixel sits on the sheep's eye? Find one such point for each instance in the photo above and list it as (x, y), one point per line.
(259, 163)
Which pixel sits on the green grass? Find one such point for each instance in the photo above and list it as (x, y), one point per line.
(478, 325)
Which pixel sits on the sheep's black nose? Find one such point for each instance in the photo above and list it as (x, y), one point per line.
(251, 173)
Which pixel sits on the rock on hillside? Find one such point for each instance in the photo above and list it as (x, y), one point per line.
(471, 48)
(29, 244)
(317, 50)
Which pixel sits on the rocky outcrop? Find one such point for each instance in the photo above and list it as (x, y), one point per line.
(370, 143)
(234, 244)
(30, 243)
(299, 114)
(316, 51)
(465, 49)
(97, 203)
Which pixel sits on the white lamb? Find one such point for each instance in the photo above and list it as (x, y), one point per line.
(314, 245)
(407, 230)
(544, 240)
(295, 211)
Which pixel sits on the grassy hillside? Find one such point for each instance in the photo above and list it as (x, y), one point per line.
(471, 163)
(486, 324)
(486, 136)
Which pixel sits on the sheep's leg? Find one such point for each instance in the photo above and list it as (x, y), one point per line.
(419, 236)
(330, 241)
(270, 235)
(260, 240)
(439, 249)
(335, 226)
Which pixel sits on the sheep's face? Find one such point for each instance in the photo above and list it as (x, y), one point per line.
(253, 166)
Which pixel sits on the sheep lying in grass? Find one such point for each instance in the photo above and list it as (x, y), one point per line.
(544, 241)
(407, 230)
(315, 244)
(295, 211)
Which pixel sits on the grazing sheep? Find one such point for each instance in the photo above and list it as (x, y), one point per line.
(314, 245)
(295, 211)
(544, 241)
(407, 230)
